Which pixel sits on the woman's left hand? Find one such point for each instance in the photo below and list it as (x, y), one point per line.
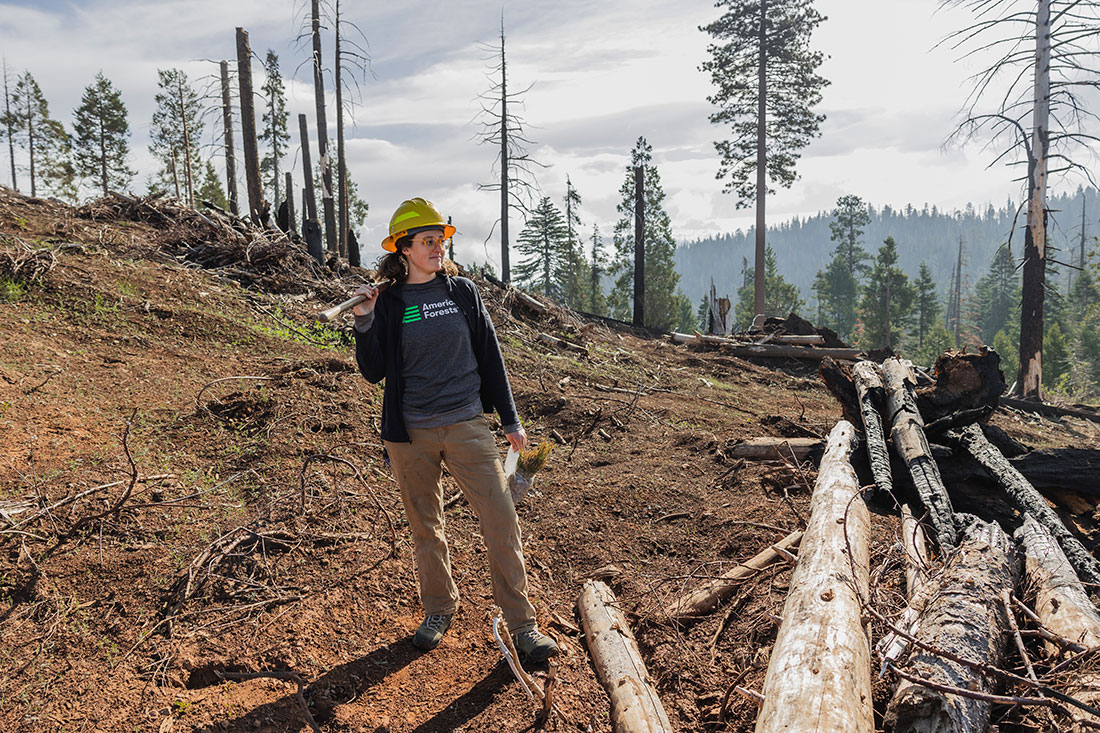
(518, 439)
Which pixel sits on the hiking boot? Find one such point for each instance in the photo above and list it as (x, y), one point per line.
(431, 631)
(534, 646)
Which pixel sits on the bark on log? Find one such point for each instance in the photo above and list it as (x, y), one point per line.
(916, 588)
(819, 674)
(911, 444)
(1071, 469)
(780, 351)
(635, 707)
(1061, 604)
(964, 616)
(776, 449)
(706, 598)
(869, 387)
(1026, 499)
(1041, 408)
(964, 383)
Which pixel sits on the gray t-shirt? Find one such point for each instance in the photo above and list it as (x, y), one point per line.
(442, 384)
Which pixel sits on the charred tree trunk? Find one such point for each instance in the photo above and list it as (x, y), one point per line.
(819, 674)
(341, 160)
(868, 382)
(911, 445)
(965, 616)
(290, 202)
(1025, 498)
(639, 246)
(310, 208)
(230, 156)
(1030, 377)
(256, 208)
(189, 175)
(505, 266)
(322, 132)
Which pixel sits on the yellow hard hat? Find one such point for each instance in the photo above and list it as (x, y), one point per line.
(415, 213)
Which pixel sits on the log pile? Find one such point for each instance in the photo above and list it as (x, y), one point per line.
(790, 338)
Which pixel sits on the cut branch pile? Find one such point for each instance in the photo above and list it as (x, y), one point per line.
(790, 338)
(254, 256)
(23, 263)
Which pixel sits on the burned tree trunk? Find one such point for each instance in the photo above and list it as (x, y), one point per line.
(322, 131)
(868, 381)
(819, 674)
(911, 445)
(257, 211)
(227, 126)
(1025, 498)
(966, 618)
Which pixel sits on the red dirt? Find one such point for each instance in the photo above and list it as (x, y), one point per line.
(119, 332)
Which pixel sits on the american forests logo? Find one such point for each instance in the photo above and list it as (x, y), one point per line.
(414, 313)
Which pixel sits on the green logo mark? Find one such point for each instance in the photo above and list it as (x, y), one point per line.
(412, 314)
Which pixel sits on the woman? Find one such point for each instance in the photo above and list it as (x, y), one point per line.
(430, 337)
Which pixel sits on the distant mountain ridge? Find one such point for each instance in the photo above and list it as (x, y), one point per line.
(802, 246)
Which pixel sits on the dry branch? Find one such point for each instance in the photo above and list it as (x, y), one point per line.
(782, 449)
(706, 598)
(635, 707)
(819, 674)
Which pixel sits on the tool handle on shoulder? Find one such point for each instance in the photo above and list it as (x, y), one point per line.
(327, 315)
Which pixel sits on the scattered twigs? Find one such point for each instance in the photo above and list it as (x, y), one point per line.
(77, 497)
(198, 397)
(117, 506)
(55, 370)
(278, 675)
(362, 482)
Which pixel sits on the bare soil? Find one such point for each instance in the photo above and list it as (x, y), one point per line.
(243, 548)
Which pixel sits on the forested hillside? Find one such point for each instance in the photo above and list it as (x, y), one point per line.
(803, 246)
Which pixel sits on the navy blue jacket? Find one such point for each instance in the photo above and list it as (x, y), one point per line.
(378, 352)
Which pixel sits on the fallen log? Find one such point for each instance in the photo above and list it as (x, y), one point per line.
(965, 616)
(1041, 408)
(819, 674)
(635, 707)
(1061, 603)
(1025, 498)
(1070, 469)
(780, 351)
(555, 341)
(773, 449)
(869, 387)
(707, 597)
(911, 444)
(916, 588)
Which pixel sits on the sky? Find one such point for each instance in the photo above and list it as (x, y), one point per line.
(600, 76)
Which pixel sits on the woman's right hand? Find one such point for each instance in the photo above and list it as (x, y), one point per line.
(367, 306)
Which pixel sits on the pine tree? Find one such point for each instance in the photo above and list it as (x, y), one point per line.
(597, 266)
(766, 83)
(177, 127)
(887, 300)
(542, 245)
(47, 143)
(662, 305)
(997, 295)
(849, 219)
(783, 297)
(928, 305)
(8, 119)
(211, 188)
(573, 276)
(838, 291)
(101, 136)
(274, 121)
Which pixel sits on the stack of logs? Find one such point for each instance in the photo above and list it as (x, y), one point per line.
(950, 647)
(790, 338)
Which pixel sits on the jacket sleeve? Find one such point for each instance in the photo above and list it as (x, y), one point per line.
(370, 348)
(491, 365)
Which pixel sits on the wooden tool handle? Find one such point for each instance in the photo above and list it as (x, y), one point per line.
(327, 315)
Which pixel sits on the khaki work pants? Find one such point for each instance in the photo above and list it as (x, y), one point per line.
(472, 458)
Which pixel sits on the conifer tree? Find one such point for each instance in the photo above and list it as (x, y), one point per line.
(47, 143)
(573, 276)
(8, 120)
(887, 300)
(597, 266)
(928, 305)
(177, 127)
(783, 297)
(850, 217)
(274, 131)
(211, 187)
(766, 82)
(997, 295)
(101, 136)
(837, 285)
(541, 246)
(662, 283)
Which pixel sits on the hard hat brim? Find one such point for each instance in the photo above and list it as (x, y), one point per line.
(390, 243)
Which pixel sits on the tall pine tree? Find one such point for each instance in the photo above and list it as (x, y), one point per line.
(885, 307)
(274, 132)
(928, 305)
(47, 143)
(101, 136)
(766, 86)
(177, 128)
(573, 275)
(541, 246)
(662, 305)
(783, 297)
(597, 267)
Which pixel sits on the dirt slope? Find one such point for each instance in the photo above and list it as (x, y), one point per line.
(236, 552)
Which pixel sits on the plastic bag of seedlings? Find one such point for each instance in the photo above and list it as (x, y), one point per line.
(520, 468)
